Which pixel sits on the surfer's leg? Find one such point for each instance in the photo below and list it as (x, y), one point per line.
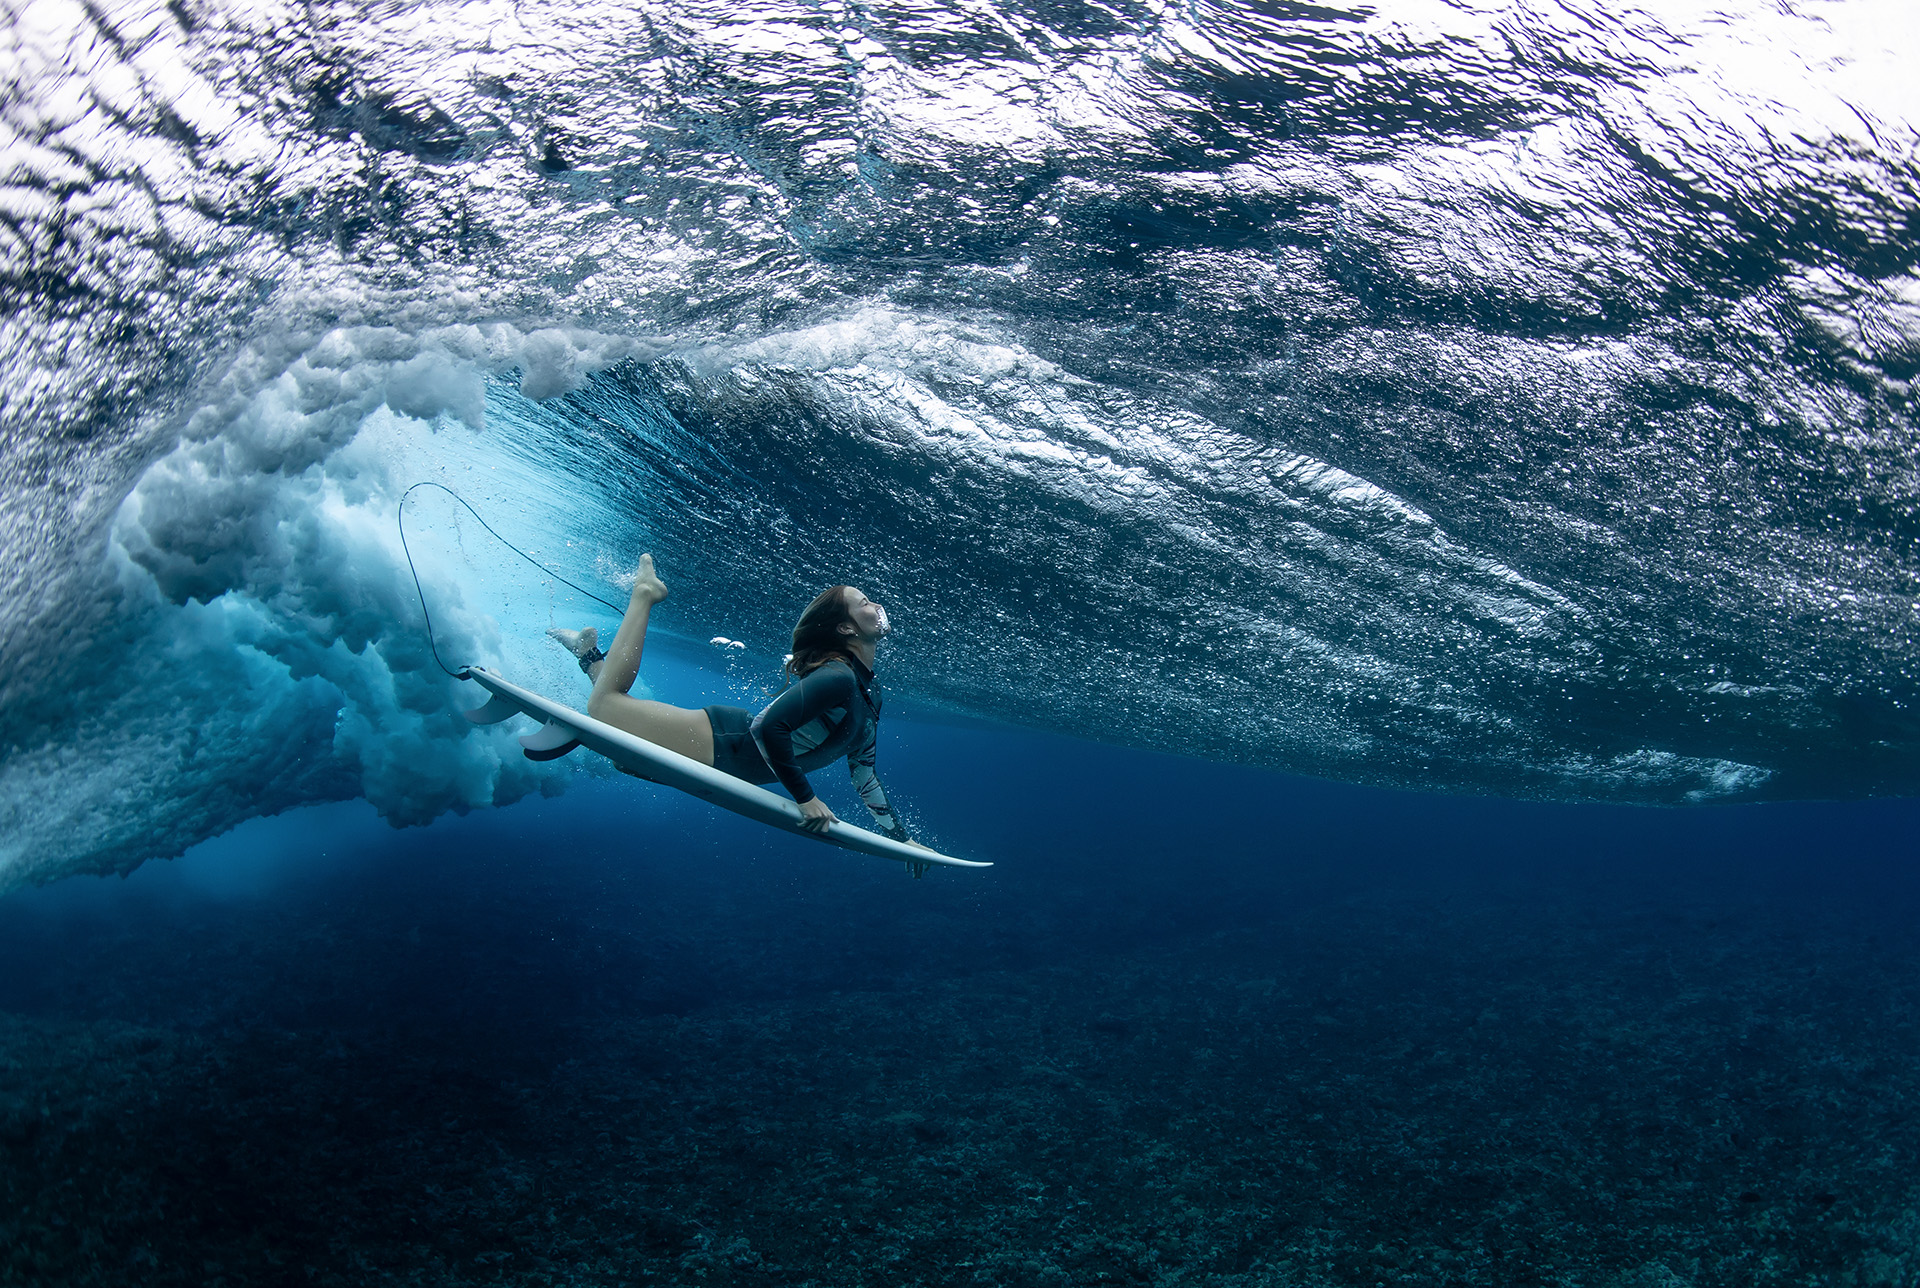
(677, 729)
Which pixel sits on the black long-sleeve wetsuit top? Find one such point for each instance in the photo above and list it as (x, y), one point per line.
(832, 711)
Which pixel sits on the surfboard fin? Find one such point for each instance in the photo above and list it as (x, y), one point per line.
(496, 710)
(549, 742)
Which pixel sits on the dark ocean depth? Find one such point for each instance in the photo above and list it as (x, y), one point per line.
(1200, 1025)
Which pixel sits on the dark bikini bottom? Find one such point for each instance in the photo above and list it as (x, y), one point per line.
(734, 750)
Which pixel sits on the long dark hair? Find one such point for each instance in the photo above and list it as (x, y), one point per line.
(816, 636)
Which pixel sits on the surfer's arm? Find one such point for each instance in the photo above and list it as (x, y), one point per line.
(866, 781)
(820, 692)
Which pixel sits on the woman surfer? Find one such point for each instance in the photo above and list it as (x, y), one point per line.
(830, 710)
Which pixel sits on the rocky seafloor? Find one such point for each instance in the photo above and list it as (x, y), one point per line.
(1361, 1089)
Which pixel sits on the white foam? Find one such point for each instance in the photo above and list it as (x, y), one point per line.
(1647, 773)
(267, 649)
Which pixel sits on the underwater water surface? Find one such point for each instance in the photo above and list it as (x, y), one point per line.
(1508, 398)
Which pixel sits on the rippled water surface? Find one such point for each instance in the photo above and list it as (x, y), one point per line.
(1504, 398)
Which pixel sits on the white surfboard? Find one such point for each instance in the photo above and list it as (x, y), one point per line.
(560, 726)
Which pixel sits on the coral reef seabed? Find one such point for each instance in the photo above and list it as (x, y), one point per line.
(1362, 1097)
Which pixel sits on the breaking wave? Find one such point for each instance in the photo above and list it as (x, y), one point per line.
(1509, 399)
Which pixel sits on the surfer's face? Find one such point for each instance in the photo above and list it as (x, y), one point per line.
(868, 619)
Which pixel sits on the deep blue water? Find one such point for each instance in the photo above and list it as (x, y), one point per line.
(1199, 1020)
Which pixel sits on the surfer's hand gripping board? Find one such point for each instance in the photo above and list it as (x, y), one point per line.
(561, 726)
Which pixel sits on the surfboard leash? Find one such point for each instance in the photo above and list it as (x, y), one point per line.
(400, 517)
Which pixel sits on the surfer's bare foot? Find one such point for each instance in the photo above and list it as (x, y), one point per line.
(583, 645)
(647, 585)
(578, 643)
